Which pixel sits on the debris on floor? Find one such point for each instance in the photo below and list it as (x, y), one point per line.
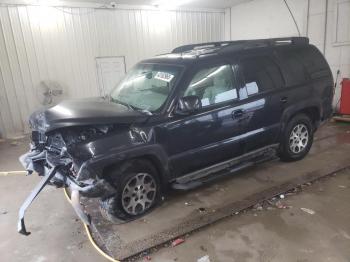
(293, 191)
(177, 242)
(201, 209)
(341, 118)
(147, 258)
(341, 186)
(307, 210)
(204, 259)
(273, 203)
(258, 207)
(280, 205)
(203, 248)
(14, 143)
(188, 204)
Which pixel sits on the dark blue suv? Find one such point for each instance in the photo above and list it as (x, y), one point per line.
(182, 119)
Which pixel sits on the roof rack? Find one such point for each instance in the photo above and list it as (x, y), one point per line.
(243, 44)
(186, 48)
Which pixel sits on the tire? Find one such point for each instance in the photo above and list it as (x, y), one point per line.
(138, 192)
(297, 138)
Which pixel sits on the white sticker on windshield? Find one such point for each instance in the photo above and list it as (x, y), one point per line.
(164, 76)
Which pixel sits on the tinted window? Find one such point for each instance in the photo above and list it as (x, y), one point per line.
(314, 62)
(213, 85)
(295, 71)
(260, 74)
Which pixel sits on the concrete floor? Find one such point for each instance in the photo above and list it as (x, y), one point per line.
(268, 235)
(278, 234)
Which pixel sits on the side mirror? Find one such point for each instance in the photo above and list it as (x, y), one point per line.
(188, 105)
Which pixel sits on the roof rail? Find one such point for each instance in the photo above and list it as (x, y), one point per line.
(244, 44)
(185, 48)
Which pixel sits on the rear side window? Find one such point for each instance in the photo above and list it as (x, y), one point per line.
(294, 71)
(314, 62)
(260, 74)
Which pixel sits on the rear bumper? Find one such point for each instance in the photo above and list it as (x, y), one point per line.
(56, 170)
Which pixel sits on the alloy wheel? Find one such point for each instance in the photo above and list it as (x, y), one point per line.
(299, 138)
(139, 194)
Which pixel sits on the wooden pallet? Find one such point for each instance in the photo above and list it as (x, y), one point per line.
(342, 118)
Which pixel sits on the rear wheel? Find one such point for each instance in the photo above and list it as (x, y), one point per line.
(297, 138)
(138, 191)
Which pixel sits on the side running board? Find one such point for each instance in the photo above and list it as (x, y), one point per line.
(225, 168)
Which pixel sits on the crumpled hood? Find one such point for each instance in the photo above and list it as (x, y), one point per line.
(81, 112)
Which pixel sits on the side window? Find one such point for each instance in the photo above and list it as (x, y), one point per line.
(313, 61)
(213, 85)
(295, 73)
(260, 74)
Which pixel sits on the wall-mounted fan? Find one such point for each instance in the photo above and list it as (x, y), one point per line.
(49, 93)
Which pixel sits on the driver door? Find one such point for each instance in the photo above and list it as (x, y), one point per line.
(212, 134)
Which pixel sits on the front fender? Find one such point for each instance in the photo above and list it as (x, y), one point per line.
(117, 148)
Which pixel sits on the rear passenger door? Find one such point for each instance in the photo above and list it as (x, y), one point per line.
(262, 101)
(298, 90)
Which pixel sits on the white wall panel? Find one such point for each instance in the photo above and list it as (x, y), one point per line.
(60, 45)
(270, 18)
(267, 18)
(342, 22)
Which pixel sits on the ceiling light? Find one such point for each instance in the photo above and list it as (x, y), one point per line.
(45, 2)
(170, 4)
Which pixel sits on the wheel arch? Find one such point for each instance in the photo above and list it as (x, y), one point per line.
(313, 112)
(310, 108)
(160, 164)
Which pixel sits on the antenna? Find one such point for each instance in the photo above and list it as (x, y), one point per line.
(291, 14)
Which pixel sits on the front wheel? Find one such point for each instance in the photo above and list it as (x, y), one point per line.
(138, 191)
(297, 138)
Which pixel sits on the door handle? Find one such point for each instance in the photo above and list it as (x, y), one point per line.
(284, 99)
(237, 113)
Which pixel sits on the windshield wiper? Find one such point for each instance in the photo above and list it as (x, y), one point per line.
(121, 103)
(130, 106)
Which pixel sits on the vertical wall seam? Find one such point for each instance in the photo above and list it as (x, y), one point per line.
(325, 29)
(7, 126)
(26, 54)
(68, 37)
(307, 18)
(23, 85)
(75, 43)
(11, 76)
(3, 81)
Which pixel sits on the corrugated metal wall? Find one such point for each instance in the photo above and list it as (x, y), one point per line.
(60, 45)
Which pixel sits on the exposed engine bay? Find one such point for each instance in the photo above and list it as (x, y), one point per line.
(56, 158)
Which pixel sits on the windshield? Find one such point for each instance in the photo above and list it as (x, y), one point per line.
(146, 86)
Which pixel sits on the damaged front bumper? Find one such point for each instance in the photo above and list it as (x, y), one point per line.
(57, 170)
